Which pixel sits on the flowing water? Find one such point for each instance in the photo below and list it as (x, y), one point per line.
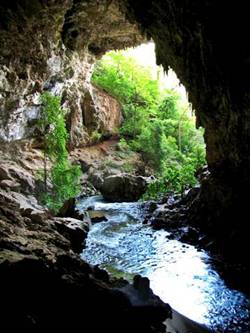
(180, 274)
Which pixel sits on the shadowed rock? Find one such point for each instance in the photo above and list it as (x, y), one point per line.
(123, 187)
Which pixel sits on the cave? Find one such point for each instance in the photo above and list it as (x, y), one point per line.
(52, 46)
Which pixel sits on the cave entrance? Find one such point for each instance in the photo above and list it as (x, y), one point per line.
(158, 128)
(158, 121)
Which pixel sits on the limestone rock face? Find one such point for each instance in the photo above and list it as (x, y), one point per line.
(51, 45)
(20, 166)
(101, 112)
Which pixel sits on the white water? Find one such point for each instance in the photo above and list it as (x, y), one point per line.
(178, 273)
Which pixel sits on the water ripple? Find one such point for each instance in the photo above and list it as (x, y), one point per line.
(178, 273)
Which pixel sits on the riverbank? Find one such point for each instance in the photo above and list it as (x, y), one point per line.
(181, 324)
(40, 252)
(44, 284)
(179, 273)
(179, 216)
(140, 294)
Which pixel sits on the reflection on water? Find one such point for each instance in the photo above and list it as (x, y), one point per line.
(178, 273)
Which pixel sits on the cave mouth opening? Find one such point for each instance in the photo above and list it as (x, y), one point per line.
(186, 40)
(158, 120)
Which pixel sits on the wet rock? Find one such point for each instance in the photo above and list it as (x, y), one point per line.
(146, 303)
(96, 216)
(74, 230)
(158, 223)
(40, 275)
(98, 219)
(150, 206)
(100, 273)
(123, 187)
(190, 236)
(142, 285)
(69, 210)
(190, 195)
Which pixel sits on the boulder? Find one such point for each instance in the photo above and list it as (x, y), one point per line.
(69, 210)
(95, 178)
(97, 216)
(74, 230)
(147, 306)
(123, 187)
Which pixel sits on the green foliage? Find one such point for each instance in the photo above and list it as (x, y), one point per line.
(110, 163)
(157, 123)
(128, 167)
(151, 143)
(63, 176)
(125, 79)
(123, 145)
(95, 136)
(132, 85)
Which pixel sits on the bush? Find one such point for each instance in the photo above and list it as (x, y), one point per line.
(157, 123)
(123, 145)
(64, 177)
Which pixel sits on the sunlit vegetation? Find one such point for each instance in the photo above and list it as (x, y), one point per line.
(63, 176)
(158, 123)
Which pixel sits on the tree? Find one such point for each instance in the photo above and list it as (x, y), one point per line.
(64, 177)
(157, 123)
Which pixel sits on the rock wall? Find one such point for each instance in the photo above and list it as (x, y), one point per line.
(101, 112)
(52, 45)
(209, 51)
(45, 285)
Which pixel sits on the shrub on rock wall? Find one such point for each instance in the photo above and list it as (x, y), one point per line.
(64, 177)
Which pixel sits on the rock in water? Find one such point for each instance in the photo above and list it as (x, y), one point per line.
(123, 187)
(74, 230)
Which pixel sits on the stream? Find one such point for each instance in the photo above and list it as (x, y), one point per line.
(180, 274)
